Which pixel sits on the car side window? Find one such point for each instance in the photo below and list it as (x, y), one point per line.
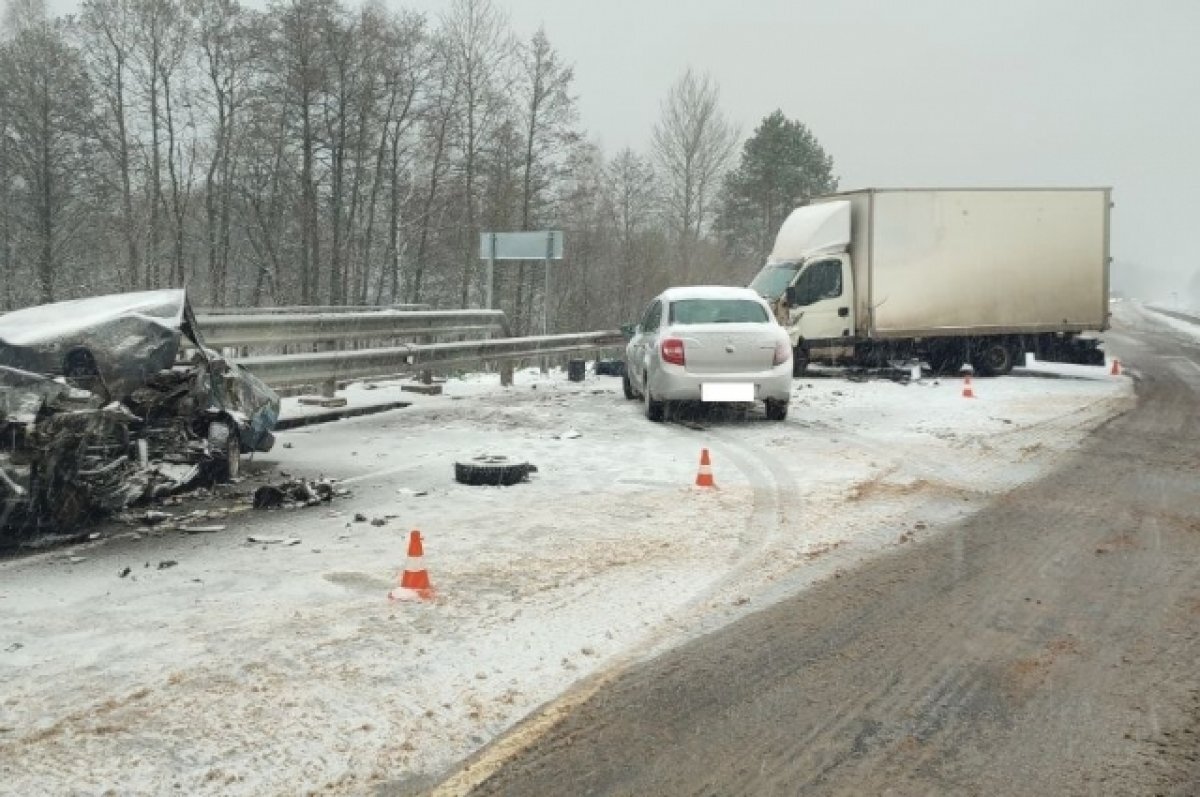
(653, 317)
(819, 281)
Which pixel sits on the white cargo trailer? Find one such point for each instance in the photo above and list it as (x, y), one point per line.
(946, 275)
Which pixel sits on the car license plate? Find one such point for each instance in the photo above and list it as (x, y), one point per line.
(726, 391)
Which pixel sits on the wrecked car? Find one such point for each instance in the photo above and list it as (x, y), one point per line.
(115, 399)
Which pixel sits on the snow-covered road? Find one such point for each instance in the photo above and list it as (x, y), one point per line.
(262, 669)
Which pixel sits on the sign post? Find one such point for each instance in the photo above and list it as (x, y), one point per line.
(544, 245)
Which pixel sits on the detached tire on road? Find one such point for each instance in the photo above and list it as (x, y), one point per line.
(492, 474)
(226, 450)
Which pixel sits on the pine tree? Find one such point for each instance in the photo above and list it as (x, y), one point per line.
(782, 165)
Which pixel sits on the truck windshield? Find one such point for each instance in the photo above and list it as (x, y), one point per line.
(773, 280)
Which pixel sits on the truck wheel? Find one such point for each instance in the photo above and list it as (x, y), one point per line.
(995, 359)
(226, 450)
(776, 410)
(627, 386)
(799, 361)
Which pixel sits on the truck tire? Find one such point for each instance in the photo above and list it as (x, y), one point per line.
(994, 358)
(799, 361)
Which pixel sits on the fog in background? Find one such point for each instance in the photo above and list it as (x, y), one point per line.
(927, 93)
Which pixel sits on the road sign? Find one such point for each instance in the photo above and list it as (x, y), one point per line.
(537, 245)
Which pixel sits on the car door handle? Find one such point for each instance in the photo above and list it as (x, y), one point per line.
(843, 312)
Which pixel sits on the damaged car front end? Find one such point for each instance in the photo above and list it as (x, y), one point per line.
(108, 401)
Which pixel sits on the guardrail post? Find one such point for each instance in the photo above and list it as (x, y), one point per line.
(506, 374)
(426, 375)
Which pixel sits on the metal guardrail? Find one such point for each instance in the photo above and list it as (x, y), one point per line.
(287, 328)
(1176, 314)
(299, 369)
(308, 308)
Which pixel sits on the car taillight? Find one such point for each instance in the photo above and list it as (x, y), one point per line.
(672, 351)
(783, 353)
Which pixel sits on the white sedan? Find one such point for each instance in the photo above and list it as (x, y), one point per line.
(711, 344)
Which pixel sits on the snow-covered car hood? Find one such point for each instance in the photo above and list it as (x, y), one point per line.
(128, 335)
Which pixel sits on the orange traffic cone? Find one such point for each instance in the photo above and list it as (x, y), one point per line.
(1116, 367)
(705, 476)
(968, 391)
(414, 581)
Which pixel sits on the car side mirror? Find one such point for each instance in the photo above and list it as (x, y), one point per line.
(791, 295)
(629, 330)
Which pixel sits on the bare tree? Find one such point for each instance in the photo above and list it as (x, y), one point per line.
(634, 202)
(8, 272)
(549, 115)
(405, 72)
(302, 77)
(225, 32)
(438, 112)
(477, 35)
(108, 29)
(693, 143)
(160, 45)
(48, 113)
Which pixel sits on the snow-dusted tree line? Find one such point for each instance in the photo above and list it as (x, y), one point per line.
(312, 153)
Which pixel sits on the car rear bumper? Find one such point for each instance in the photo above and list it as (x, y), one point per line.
(673, 383)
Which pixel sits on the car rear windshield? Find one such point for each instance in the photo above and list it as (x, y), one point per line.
(718, 311)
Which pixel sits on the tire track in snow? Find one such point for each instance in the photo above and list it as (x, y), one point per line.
(770, 483)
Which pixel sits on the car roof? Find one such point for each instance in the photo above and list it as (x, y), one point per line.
(709, 292)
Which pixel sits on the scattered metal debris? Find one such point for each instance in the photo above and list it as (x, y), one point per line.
(295, 493)
(273, 540)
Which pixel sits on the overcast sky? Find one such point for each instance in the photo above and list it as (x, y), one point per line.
(926, 92)
(923, 92)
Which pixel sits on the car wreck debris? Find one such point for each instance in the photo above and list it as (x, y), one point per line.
(114, 400)
(295, 493)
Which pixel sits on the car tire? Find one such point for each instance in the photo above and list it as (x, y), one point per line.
(627, 386)
(656, 411)
(776, 410)
(226, 450)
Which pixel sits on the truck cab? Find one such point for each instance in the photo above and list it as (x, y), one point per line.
(809, 282)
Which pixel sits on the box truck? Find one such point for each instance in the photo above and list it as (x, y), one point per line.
(946, 275)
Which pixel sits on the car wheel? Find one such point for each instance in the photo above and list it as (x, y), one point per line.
(655, 410)
(776, 410)
(226, 450)
(627, 386)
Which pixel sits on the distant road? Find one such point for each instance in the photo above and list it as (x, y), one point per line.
(1046, 645)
